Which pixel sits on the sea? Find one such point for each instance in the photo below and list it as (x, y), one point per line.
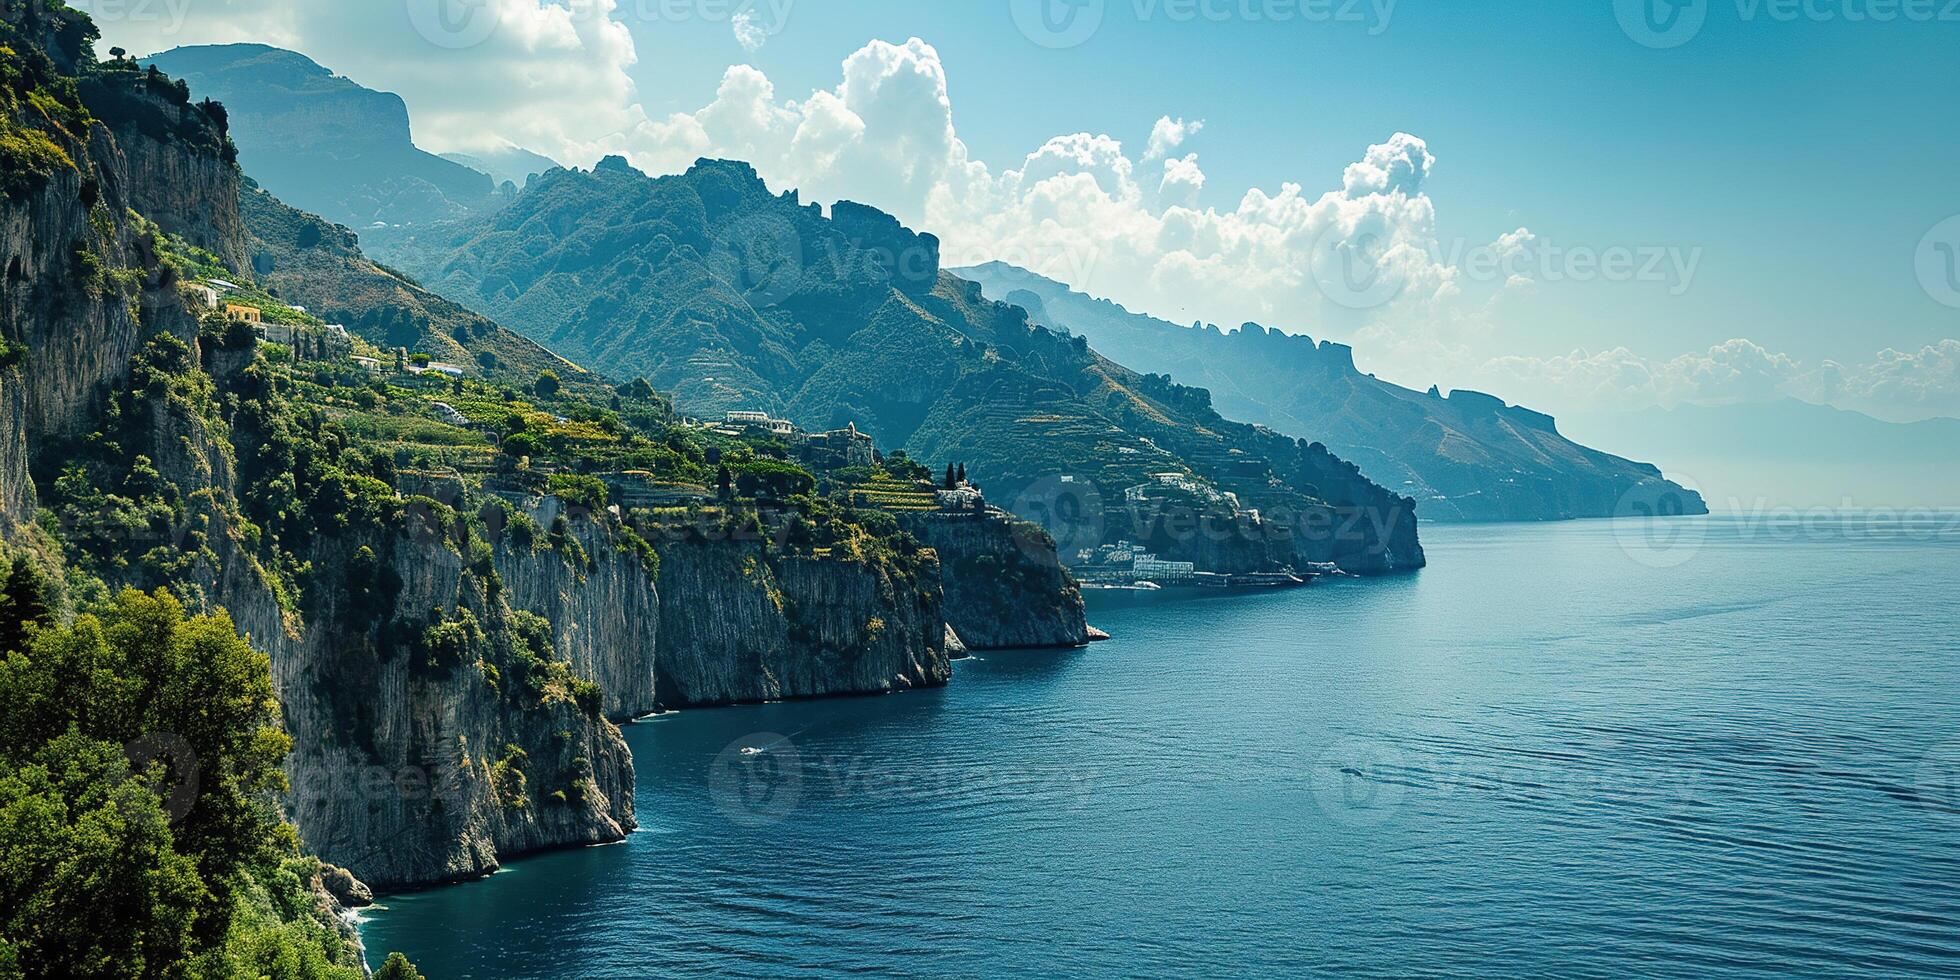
(1724, 746)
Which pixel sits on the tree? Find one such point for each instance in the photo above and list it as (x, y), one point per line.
(547, 385)
(962, 473)
(397, 968)
(950, 477)
(456, 386)
(725, 482)
(118, 53)
(23, 603)
(640, 389)
(523, 444)
(114, 867)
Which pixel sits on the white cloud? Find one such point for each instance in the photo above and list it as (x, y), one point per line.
(748, 33)
(1182, 181)
(555, 76)
(1168, 134)
(552, 75)
(1893, 385)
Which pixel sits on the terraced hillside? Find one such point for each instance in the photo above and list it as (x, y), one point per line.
(733, 298)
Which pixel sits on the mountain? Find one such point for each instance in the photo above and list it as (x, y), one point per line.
(733, 298)
(388, 609)
(1467, 456)
(1789, 453)
(323, 143)
(512, 164)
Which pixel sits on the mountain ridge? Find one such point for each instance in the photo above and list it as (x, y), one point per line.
(1464, 456)
(734, 297)
(324, 143)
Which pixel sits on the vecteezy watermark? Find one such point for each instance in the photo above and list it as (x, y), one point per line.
(458, 24)
(757, 780)
(761, 779)
(761, 258)
(1363, 269)
(1069, 508)
(1654, 527)
(455, 24)
(1938, 780)
(1057, 23)
(1352, 270)
(1070, 23)
(1937, 262)
(1355, 782)
(1653, 530)
(1662, 24)
(169, 13)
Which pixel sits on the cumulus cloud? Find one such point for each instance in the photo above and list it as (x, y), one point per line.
(551, 75)
(1893, 385)
(1168, 134)
(748, 32)
(1182, 181)
(1360, 259)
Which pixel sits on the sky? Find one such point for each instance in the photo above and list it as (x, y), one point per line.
(1597, 205)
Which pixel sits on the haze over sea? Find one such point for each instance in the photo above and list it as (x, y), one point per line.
(1717, 746)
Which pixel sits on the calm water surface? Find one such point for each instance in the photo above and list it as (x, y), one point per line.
(1576, 749)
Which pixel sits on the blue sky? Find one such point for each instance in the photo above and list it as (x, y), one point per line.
(1779, 174)
(1806, 159)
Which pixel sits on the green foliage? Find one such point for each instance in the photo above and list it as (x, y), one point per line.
(547, 385)
(168, 864)
(585, 492)
(12, 353)
(771, 479)
(903, 467)
(28, 158)
(397, 968)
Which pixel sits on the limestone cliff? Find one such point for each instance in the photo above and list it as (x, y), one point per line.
(738, 624)
(1005, 587)
(435, 731)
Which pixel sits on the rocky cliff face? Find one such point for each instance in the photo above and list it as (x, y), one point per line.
(738, 625)
(435, 730)
(411, 766)
(177, 159)
(1005, 587)
(607, 608)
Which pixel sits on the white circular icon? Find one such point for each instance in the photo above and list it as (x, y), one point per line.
(1654, 529)
(1357, 782)
(1350, 270)
(761, 257)
(757, 780)
(1057, 23)
(454, 24)
(1661, 24)
(1937, 262)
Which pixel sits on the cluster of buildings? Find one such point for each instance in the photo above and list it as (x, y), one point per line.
(1166, 487)
(329, 341)
(1124, 563)
(833, 449)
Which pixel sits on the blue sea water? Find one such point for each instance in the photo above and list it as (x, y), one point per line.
(1711, 747)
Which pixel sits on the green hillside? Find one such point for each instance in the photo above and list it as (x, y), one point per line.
(734, 298)
(1467, 456)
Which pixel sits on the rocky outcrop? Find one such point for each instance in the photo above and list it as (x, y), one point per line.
(1005, 587)
(435, 731)
(177, 167)
(413, 766)
(738, 625)
(603, 599)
